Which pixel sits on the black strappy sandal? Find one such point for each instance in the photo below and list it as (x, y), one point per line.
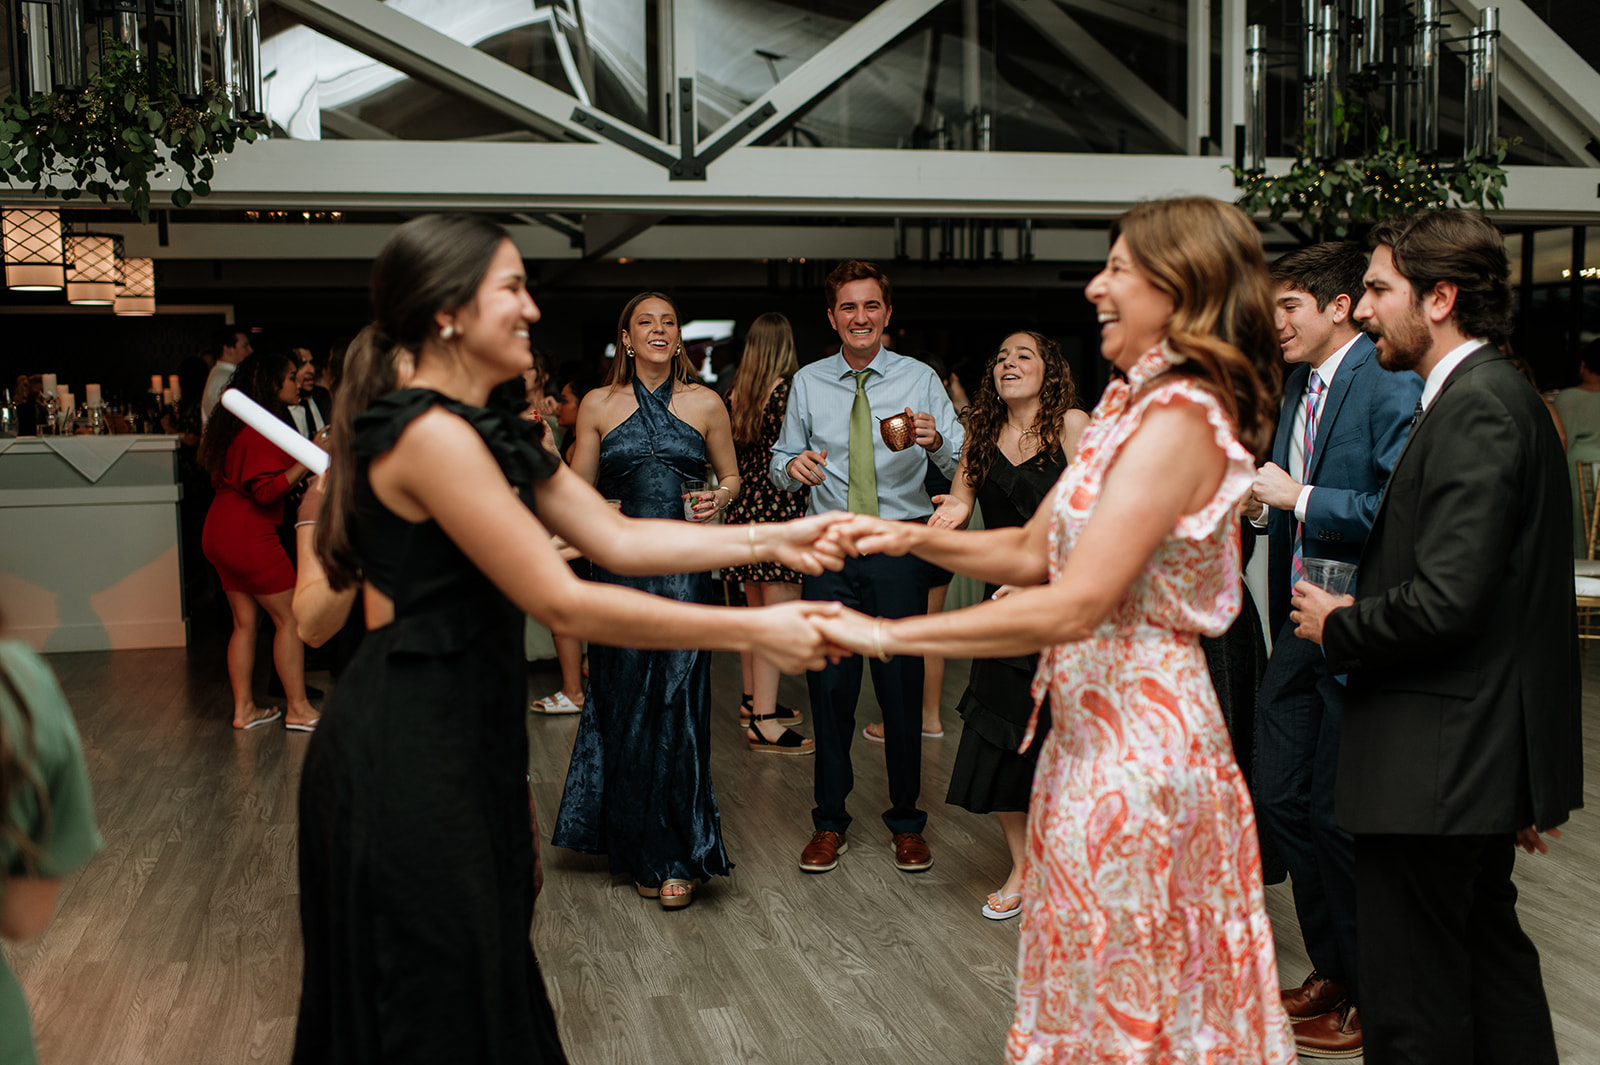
(791, 742)
(783, 714)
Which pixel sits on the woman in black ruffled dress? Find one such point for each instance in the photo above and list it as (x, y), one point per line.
(1022, 426)
(418, 866)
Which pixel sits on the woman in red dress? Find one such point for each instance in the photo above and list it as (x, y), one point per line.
(251, 476)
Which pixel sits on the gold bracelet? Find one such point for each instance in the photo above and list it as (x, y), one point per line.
(877, 641)
(750, 530)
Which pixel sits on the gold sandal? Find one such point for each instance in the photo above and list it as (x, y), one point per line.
(677, 902)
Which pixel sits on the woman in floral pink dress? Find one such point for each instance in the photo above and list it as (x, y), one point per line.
(1144, 931)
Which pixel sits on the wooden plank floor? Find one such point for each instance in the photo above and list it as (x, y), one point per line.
(180, 944)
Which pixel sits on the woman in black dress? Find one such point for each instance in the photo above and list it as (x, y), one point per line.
(1022, 426)
(417, 859)
(757, 400)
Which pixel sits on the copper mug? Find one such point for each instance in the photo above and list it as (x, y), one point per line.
(898, 430)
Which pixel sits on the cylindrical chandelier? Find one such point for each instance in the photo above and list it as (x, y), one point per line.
(34, 255)
(138, 295)
(92, 271)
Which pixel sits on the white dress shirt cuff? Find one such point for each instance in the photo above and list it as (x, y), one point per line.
(1301, 503)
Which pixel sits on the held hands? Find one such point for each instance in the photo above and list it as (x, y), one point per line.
(1309, 608)
(927, 433)
(806, 467)
(1276, 488)
(952, 513)
(867, 535)
(850, 630)
(789, 635)
(811, 545)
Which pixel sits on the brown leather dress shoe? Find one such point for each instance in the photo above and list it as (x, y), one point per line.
(822, 853)
(1318, 995)
(911, 854)
(1332, 1035)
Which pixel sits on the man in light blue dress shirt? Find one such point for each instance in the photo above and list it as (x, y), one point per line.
(814, 450)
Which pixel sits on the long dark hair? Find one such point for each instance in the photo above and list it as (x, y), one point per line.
(433, 263)
(1206, 256)
(259, 376)
(621, 371)
(988, 412)
(768, 356)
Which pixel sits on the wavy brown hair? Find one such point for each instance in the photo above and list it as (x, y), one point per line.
(259, 376)
(621, 370)
(431, 264)
(768, 355)
(1206, 256)
(1058, 393)
(371, 371)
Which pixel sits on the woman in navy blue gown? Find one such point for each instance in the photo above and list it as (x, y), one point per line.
(639, 787)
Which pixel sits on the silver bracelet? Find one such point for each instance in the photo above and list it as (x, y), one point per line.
(312, 521)
(750, 531)
(877, 641)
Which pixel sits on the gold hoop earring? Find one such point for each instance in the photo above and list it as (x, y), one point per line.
(627, 347)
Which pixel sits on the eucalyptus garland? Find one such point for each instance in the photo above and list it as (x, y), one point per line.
(126, 127)
(1331, 197)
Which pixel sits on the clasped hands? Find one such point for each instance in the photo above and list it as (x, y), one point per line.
(809, 634)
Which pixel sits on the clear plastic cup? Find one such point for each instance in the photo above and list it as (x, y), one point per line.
(1332, 576)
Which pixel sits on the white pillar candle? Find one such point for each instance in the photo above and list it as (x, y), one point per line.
(64, 398)
(91, 395)
(172, 386)
(155, 383)
(166, 397)
(49, 384)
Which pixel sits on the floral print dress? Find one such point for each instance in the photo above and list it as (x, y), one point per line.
(1144, 931)
(759, 499)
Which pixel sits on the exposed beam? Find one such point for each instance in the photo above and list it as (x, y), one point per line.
(1095, 60)
(1550, 63)
(1166, 21)
(430, 176)
(402, 42)
(603, 233)
(1233, 31)
(819, 73)
(1199, 69)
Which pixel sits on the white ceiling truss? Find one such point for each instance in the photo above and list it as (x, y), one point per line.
(594, 163)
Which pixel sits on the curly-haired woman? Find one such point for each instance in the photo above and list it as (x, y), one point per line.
(1021, 428)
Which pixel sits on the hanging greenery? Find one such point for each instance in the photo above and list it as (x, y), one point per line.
(128, 126)
(1330, 198)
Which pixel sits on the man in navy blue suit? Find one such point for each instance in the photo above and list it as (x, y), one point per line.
(1342, 427)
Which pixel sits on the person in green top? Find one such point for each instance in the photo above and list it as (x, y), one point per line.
(1579, 410)
(47, 827)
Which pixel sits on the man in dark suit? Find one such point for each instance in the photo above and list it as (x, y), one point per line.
(1343, 422)
(316, 405)
(1461, 728)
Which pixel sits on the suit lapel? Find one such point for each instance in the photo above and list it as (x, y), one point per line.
(1359, 353)
(1477, 358)
(1294, 389)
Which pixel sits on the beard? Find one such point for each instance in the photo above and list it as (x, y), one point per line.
(1406, 342)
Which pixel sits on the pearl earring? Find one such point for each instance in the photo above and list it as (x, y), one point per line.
(448, 332)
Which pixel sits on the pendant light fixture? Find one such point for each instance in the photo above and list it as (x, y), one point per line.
(91, 269)
(35, 259)
(138, 295)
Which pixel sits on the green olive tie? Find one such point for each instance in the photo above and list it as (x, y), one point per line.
(863, 494)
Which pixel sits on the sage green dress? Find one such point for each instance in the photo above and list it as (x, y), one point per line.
(56, 760)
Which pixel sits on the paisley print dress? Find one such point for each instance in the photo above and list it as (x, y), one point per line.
(1144, 932)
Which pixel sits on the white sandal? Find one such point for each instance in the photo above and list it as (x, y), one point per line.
(554, 704)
